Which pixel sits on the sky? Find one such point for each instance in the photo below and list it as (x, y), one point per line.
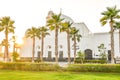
(28, 13)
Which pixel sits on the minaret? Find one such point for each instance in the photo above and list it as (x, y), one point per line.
(60, 10)
(49, 16)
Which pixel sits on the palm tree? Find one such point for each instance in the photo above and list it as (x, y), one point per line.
(3, 44)
(117, 26)
(32, 33)
(54, 23)
(43, 32)
(75, 37)
(6, 25)
(14, 42)
(66, 26)
(109, 16)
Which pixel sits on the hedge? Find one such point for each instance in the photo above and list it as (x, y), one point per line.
(94, 67)
(54, 67)
(29, 66)
(91, 61)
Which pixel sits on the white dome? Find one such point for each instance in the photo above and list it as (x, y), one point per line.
(66, 18)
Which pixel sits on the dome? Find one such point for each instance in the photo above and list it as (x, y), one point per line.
(66, 18)
(50, 12)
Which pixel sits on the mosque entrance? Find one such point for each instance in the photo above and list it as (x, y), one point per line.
(88, 54)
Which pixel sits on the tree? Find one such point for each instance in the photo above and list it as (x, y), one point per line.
(102, 50)
(32, 33)
(66, 26)
(15, 54)
(109, 16)
(76, 38)
(6, 25)
(54, 23)
(43, 32)
(14, 42)
(3, 44)
(81, 56)
(117, 26)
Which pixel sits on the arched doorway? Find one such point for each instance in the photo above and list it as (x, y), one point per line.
(49, 58)
(88, 54)
(60, 55)
(109, 55)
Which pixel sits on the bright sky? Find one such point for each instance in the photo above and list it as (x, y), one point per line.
(28, 13)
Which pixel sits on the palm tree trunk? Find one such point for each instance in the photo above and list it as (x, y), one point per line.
(112, 42)
(68, 44)
(13, 50)
(33, 51)
(119, 40)
(42, 46)
(13, 46)
(56, 44)
(4, 54)
(6, 46)
(74, 48)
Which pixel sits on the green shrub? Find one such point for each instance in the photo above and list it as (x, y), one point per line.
(15, 55)
(30, 66)
(81, 56)
(94, 68)
(54, 67)
(91, 61)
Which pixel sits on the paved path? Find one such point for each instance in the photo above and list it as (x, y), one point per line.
(62, 64)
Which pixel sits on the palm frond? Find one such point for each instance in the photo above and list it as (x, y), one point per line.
(50, 21)
(52, 27)
(1, 29)
(117, 25)
(103, 23)
(11, 30)
(117, 17)
(104, 18)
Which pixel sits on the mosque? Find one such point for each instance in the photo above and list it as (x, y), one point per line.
(89, 43)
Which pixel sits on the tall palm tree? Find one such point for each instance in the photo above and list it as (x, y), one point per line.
(32, 33)
(6, 25)
(54, 24)
(109, 16)
(117, 26)
(43, 32)
(66, 26)
(76, 38)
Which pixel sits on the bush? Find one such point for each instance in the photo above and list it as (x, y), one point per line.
(15, 55)
(91, 61)
(29, 66)
(94, 68)
(81, 56)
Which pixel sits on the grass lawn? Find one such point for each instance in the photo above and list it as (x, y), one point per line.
(27, 75)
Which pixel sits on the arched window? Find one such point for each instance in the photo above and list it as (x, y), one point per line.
(49, 46)
(61, 46)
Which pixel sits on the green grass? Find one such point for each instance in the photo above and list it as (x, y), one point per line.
(29, 75)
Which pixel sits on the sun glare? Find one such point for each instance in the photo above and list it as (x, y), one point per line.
(19, 41)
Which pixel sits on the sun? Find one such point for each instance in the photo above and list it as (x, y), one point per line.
(19, 41)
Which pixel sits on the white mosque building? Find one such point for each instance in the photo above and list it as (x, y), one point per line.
(89, 43)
